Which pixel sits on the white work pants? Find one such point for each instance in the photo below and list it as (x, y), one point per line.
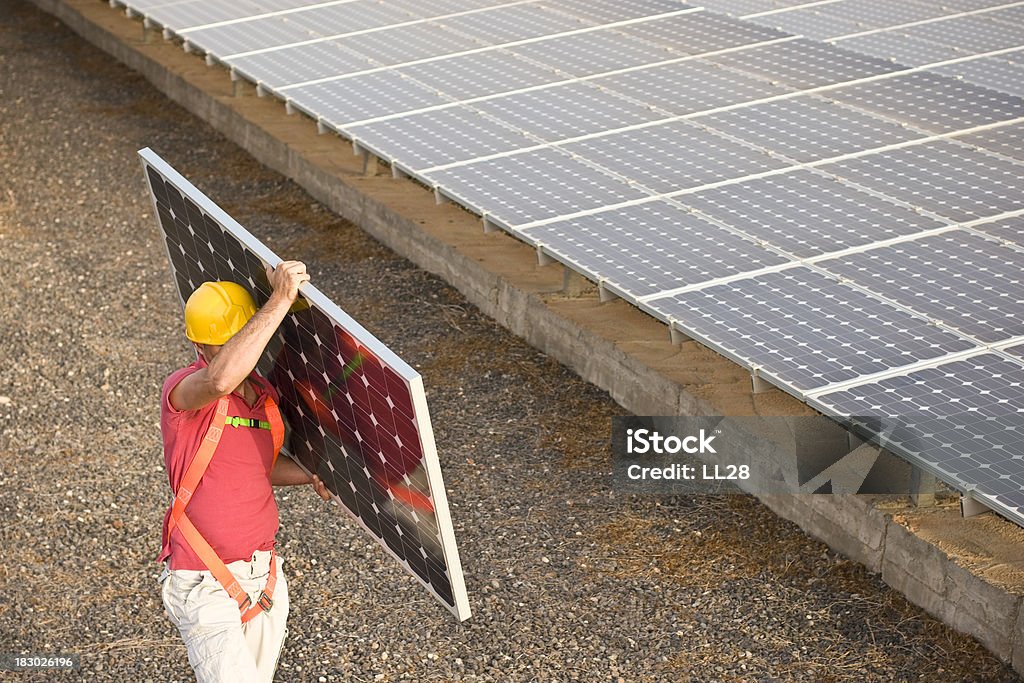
(221, 649)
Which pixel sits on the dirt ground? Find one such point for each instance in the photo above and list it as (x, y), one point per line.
(568, 579)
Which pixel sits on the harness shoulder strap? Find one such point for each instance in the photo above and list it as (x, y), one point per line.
(276, 427)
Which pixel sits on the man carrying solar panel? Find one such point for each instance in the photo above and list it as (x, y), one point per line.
(223, 587)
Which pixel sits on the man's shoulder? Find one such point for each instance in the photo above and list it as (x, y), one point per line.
(181, 373)
(172, 381)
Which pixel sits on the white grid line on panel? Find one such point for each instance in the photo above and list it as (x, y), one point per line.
(973, 228)
(567, 81)
(911, 24)
(798, 262)
(365, 31)
(897, 372)
(768, 174)
(1002, 346)
(265, 15)
(782, 10)
(488, 48)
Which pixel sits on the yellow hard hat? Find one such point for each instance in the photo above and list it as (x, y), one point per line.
(216, 311)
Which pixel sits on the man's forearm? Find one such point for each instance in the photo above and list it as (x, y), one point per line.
(287, 473)
(241, 353)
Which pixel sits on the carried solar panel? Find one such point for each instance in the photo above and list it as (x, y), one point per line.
(357, 414)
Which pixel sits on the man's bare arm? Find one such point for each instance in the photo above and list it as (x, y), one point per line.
(239, 355)
(287, 473)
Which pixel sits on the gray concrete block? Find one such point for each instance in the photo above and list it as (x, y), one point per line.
(855, 527)
(987, 612)
(1017, 656)
(917, 569)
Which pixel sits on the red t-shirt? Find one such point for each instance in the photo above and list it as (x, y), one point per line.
(233, 506)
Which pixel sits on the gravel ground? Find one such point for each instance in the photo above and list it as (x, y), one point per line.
(568, 580)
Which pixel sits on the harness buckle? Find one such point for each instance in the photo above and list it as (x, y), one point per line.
(265, 602)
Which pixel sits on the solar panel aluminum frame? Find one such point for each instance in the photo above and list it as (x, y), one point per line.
(432, 467)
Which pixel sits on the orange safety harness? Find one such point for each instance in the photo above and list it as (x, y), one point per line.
(187, 488)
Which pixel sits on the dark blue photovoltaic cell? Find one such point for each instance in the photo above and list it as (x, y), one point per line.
(963, 420)
(970, 283)
(805, 328)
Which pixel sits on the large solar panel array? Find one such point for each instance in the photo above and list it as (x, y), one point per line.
(356, 413)
(828, 192)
